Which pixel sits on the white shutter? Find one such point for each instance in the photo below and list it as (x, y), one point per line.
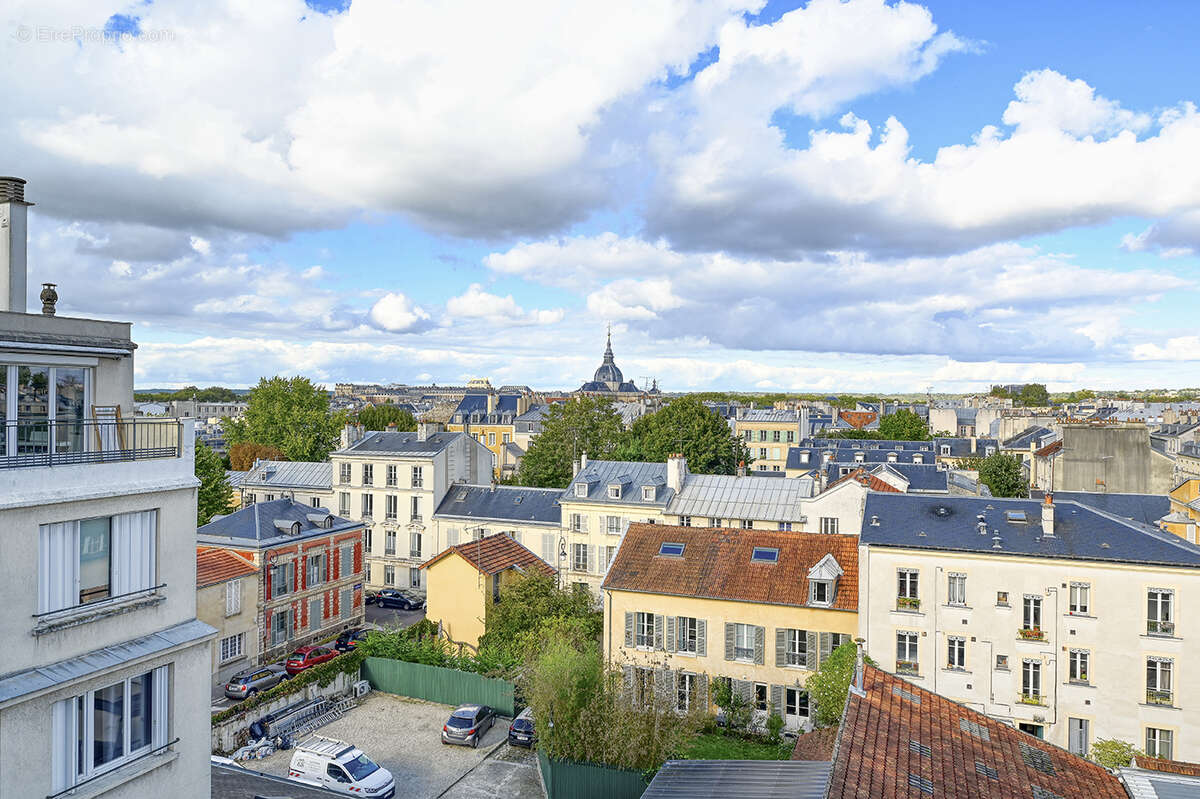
(233, 597)
(58, 566)
(63, 725)
(160, 720)
(452, 537)
(133, 545)
(594, 555)
(548, 549)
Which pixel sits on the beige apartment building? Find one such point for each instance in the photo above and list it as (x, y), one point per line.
(1060, 620)
(769, 432)
(227, 599)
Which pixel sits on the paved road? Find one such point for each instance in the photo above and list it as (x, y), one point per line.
(507, 773)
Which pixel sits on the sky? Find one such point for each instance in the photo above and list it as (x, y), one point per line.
(838, 195)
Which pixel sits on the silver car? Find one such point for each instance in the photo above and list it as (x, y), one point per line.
(468, 725)
(248, 682)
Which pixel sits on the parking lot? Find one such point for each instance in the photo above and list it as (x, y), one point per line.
(404, 736)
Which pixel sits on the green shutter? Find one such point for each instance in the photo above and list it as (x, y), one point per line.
(780, 647)
(701, 638)
(728, 641)
(628, 629)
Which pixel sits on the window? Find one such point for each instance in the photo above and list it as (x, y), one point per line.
(367, 540)
(764, 555)
(389, 542)
(105, 728)
(1031, 678)
(283, 579)
(316, 569)
(1002, 662)
(233, 597)
(685, 686)
(609, 555)
(507, 438)
(956, 656)
(314, 502)
(232, 647)
(414, 576)
(614, 492)
(579, 559)
(956, 593)
(314, 613)
(776, 435)
(944, 449)
(414, 509)
(796, 648)
(368, 474)
(643, 630)
(713, 522)
(820, 592)
(687, 631)
(785, 526)
(760, 696)
(1079, 604)
(906, 652)
(907, 589)
(418, 477)
(791, 436)
(96, 559)
(1002, 598)
(343, 503)
(1078, 735)
(579, 522)
(674, 550)
(1159, 617)
(391, 507)
(390, 476)
(346, 603)
(614, 525)
(748, 435)
(389, 575)
(281, 625)
(414, 545)
(685, 521)
(762, 453)
(829, 525)
(795, 701)
(1077, 665)
(269, 498)
(647, 493)
(491, 439)
(643, 686)
(1158, 680)
(762, 435)
(346, 561)
(250, 499)
(1159, 743)
(743, 642)
(368, 506)
(747, 524)
(1031, 618)
(344, 474)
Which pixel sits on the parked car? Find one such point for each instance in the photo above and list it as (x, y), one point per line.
(521, 732)
(468, 725)
(352, 638)
(391, 598)
(248, 682)
(308, 656)
(370, 596)
(341, 767)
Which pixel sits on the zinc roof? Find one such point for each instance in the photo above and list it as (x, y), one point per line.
(722, 496)
(290, 474)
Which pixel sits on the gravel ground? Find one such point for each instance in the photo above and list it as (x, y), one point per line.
(404, 736)
(510, 773)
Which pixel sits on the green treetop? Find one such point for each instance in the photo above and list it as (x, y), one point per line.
(215, 496)
(378, 417)
(583, 425)
(291, 415)
(686, 426)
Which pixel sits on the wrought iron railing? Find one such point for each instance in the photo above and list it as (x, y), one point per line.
(1155, 696)
(1160, 627)
(39, 442)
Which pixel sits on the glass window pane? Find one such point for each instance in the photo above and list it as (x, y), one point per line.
(140, 711)
(108, 724)
(33, 409)
(94, 551)
(68, 409)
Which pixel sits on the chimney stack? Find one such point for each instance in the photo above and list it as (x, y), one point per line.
(491, 402)
(14, 235)
(583, 461)
(676, 470)
(1048, 516)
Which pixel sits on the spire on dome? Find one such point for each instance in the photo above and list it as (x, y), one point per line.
(608, 353)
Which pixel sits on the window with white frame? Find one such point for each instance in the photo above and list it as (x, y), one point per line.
(1031, 612)
(391, 507)
(820, 592)
(368, 506)
(614, 524)
(105, 728)
(785, 526)
(614, 492)
(581, 490)
(491, 439)
(1160, 743)
(686, 634)
(1079, 602)
(795, 702)
(415, 509)
(1077, 665)
(367, 540)
(418, 477)
(390, 476)
(282, 578)
(747, 524)
(389, 542)
(1031, 678)
(956, 652)
(316, 568)
(908, 589)
(1160, 617)
(956, 588)
(314, 502)
(762, 453)
(344, 503)
(281, 626)
(579, 557)
(610, 553)
(233, 597)
(796, 648)
(685, 521)
(414, 545)
(829, 525)
(389, 575)
(906, 651)
(643, 630)
(743, 642)
(578, 523)
(647, 493)
(368, 474)
(91, 560)
(232, 647)
(1159, 680)
(344, 474)
(414, 576)
(685, 689)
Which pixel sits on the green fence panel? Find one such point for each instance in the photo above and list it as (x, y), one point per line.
(565, 779)
(436, 684)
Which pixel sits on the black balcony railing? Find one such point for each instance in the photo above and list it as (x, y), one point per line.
(38, 442)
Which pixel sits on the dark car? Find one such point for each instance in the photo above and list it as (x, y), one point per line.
(351, 638)
(520, 732)
(468, 725)
(308, 656)
(391, 598)
(248, 682)
(369, 596)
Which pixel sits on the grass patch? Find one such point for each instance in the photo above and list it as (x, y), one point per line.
(716, 746)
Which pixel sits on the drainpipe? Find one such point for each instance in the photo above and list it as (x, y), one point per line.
(934, 609)
(608, 641)
(1054, 655)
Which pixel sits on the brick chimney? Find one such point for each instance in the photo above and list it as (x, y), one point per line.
(14, 234)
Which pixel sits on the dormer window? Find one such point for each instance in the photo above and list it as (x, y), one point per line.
(804, 456)
(990, 450)
(647, 493)
(614, 492)
(918, 458)
(822, 581)
(892, 457)
(945, 449)
(581, 490)
(858, 457)
(820, 592)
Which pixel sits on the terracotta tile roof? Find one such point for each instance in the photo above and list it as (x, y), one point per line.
(1168, 766)
(1050, 449)
(218, 565)
(716, 564)
(858, 419)
(900, 740)
(869, 480)
(816, 745)
(495, 553)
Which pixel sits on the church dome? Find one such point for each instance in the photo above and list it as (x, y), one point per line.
(608, 371)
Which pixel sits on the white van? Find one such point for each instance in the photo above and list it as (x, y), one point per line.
(340, 767)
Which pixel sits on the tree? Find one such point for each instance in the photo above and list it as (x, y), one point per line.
(827, 687)
(903, 425)
(532, 609)
(687, 426)
(242, 456)
(215, 496)
(290, 414)
(583, 425)
(1112, 753)
(1034, 395)
(1001, 473)
(378, 417)
(738, 711)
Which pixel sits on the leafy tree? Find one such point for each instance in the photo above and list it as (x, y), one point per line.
(828, 686)
(1001, 473)
(686, 426)
(290, 414)
(215, 495)
(533, 609)
(903, 425)
(855, 434)
(1034, 395)
(378, 417)
(1113, 753)
(737, 710)
(242, 456)
(210, 394)
(583, 425)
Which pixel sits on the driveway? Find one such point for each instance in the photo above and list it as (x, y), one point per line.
(404, 736)
(393, 617)
(508, 772)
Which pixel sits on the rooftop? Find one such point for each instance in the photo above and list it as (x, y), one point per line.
(493, 554)
(262, 524)
(403, 444)
(739, 779)
(1141, 508)
(864, 477)
(502, 503)
(218, 565)
(630, 476)
(723, 496)
(772, 415)
(290, 474)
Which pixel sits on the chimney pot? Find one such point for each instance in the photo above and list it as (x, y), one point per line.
(48, 297)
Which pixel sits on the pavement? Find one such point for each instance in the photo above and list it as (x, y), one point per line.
(510, 771)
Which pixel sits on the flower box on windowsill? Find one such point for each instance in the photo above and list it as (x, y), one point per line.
(907, 667)
(1160, 628)
(1031, 699)
(1154, 697)
(907, 603)
(1031, 634)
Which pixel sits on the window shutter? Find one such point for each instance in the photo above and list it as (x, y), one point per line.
(594, 559)
(777, 707)
(670, 642)
(658, 631)
(161, 690)
(826, 645)
(701, 638)
(233, 597)
(780, 647)
(583, 522)
(745, 690)
(664, 684)
(627, 672)
(702, 692)
(760, 645)
(63, 724)
(58, 566)
(133, 544)
(728, 641)
(810, 655)
(628, 629)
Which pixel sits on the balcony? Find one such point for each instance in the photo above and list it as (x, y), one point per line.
(910, 667)
(32, 443)
(1032, 699)
(1163, 628)
(1031, 634)
(908, 603)
(1157, 697)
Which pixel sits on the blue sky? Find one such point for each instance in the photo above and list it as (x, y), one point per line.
(860, 195)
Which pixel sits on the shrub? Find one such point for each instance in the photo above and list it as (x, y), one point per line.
(322, 674)
(831, 682)
(774, 726)
(1112, 753)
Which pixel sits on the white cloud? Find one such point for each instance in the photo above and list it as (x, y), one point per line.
(395, 313)
(1180, 348)
(202, 246)
(1047, 100)
(475, 303)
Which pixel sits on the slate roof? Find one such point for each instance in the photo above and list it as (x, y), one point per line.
(402, 444)
(716, 564)
(493, 554)
(875, 757)
(218, 565)
(234, 478)
(951, 523)
(501, 503)
(255, 525)
(231, 782)
(723, 496)
(739, 779)
(598, 475)
(1190, 449)
(769, 415)
(867, 443)
(921, 477)
(872, 482)
(1030, 435)
(290, 474)
(961, 447)
(1143, 508)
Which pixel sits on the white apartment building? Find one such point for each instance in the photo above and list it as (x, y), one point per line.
(393, 482)
(104, 687)
(1058, 619)
(769, 432)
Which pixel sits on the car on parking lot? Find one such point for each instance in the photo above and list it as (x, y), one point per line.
(341, 767)
(521, 732)
(391, 598)
(352, 638)
(306, 657)
(468, 724)
(248, 682)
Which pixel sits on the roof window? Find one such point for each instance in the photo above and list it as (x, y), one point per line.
(764, 555)
(671, 550)
(647, 493)
(581, 489)
(1016, 516)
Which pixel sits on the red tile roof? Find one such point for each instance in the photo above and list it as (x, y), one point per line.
(494, 554)
(1052, 448)
(1168, 766)
(218, 565)
(869, 480)
(858, 419)
(884, 737)
(716, 564)
(816, 745)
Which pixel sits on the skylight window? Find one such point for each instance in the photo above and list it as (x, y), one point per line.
(903, 694)
(764, 555)
(972, 728)
(673, 550)
(1036, 758)
(920, 783)
(1016, 516)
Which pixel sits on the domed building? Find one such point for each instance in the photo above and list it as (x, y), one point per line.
(608, 378)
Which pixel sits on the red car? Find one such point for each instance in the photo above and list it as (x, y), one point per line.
(306, 657)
